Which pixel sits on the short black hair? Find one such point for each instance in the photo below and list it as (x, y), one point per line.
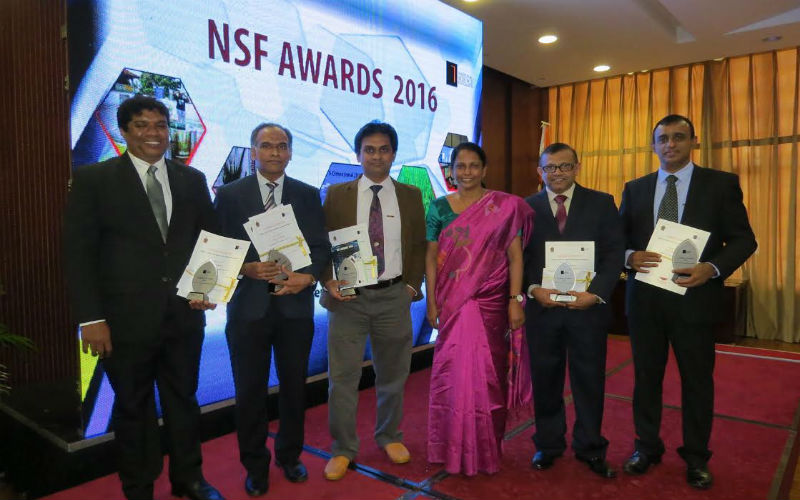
(557, 147)
(671, 120)
(468, 146)
(135, 105)
(376, 127)
(262, 126)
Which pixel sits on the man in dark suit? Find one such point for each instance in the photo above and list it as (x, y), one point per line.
(130, 225)
(557, 331)
(396, 223)
(261, 319)
(702, 198)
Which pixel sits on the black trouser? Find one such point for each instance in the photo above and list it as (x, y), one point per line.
(172, 362)
(251, 345)
(557, 336)
(655, 325)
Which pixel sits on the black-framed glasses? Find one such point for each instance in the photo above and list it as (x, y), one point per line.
(564, 167)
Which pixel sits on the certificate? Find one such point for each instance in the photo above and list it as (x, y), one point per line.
(277, 231)
(227, 256)
(668, 237)
(352, 257)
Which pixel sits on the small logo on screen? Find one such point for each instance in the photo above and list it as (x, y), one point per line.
(452, 74)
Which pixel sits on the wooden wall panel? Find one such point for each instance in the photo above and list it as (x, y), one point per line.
(35, 153)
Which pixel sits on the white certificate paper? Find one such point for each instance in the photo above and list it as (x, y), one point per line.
(665, 239)
(227, 254)
(352, 244)
(578, 254)
(277, 230)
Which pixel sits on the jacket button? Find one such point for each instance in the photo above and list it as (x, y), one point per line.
(164, 279)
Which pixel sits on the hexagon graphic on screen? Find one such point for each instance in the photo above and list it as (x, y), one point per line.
(102, 139)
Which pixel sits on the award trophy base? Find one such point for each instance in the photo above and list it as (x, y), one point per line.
(347, 292)
(557, 297)
(196, 296)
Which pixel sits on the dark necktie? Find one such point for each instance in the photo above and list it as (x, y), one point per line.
(668, 210)
(270, 203)
(376, 228)
(155, 193)
(561, 213)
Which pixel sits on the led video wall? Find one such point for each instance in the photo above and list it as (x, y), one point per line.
(320, 68)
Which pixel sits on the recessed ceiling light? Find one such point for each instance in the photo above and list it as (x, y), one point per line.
(719, 59)
(771, 38)
(547, 39)
(645, 70)
(602, 67)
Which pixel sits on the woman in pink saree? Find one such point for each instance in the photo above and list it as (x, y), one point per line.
(473, 273)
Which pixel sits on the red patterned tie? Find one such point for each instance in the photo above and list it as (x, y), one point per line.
(561, 213)
(376, 228)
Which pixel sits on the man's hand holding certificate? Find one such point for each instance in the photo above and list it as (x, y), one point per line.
(671, 259)
(210, 277)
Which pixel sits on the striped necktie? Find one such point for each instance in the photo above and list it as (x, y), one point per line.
(270, 203)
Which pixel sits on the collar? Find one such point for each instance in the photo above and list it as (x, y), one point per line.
(262, 181)
(141, 166)
(684, 175)
(551, 196)
(365, 184)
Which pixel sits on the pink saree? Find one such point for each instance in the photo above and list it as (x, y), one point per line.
(471, 384)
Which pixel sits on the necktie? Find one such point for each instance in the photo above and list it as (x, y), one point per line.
(376, 228)
(270, 203)
(668, 210)
(156, 196)
(561, 213)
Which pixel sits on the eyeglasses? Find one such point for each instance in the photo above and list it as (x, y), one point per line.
(564, 167)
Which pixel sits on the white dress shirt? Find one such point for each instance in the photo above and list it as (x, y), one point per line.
(392, 248)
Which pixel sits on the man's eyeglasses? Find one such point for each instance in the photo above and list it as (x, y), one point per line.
(564, 167)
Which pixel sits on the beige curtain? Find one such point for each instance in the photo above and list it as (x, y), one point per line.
(746, 111)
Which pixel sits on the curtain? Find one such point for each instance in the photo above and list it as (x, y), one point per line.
(746, 111)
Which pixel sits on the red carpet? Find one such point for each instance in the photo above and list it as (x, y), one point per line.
(754, 445)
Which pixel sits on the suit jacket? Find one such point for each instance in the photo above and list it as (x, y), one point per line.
(240, 200)
(714, 204)
(340, 211)
(117, 265)
(592, 216)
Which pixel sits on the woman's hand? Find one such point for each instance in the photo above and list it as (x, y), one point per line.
(433, 313)
(516, 315)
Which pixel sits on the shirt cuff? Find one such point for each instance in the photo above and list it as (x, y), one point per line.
(716, 270)
(413, 289)
(92, 322)
(628, 256)
(531, 288)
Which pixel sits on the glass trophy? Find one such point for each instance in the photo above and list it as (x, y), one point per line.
(281, 260)
(204, 280)
(685, 255)
(347, 271)
(563, 281)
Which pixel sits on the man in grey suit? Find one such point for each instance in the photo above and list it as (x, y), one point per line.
(130, 225)
(707, 199)
(261, 319)
(396, 221)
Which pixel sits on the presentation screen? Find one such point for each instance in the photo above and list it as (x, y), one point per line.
(322, 69)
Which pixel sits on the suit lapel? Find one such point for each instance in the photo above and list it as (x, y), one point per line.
(576, 207)
(350, 204)
(694, 195)
(541, 205)
(250, 200)
(650, 186)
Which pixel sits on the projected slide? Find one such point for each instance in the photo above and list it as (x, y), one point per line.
(320, 68)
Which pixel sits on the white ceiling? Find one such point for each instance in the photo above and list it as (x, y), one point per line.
(628, 35)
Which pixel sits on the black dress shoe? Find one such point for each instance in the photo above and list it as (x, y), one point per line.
(699, 477)
(599, 466)
(197, 490)
(541, 461)
(640, 462)
(295, 472)
(255, 486)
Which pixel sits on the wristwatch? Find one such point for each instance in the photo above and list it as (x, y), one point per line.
(518, 297)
